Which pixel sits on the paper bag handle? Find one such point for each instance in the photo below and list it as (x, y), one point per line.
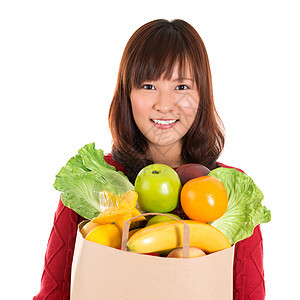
(186, 232)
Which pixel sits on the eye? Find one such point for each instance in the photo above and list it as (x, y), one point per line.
(182, 87)
(148, 87)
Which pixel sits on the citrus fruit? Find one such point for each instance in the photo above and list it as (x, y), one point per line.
(108, 234)
(204, 199)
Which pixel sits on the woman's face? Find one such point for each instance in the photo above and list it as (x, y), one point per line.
(164, 110)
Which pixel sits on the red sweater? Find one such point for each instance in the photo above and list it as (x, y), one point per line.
(248, 273)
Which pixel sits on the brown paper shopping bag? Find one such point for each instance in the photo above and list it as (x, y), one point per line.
(101, 272)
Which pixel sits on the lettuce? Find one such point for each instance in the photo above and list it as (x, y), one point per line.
(244, 211)
(84, 176)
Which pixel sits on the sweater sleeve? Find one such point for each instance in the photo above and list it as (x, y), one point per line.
(248, 270)
(55, 283)
(56, 277)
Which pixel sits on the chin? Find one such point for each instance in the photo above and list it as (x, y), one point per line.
(166, 145)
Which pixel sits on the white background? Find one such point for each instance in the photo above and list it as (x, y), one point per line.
(58, 67)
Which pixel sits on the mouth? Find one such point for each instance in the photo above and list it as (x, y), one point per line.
(164, 123)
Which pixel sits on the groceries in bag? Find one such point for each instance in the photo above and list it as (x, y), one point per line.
(221, 206)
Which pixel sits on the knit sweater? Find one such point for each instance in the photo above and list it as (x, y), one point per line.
(248, 272)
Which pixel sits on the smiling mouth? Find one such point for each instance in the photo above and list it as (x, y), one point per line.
(164, 121)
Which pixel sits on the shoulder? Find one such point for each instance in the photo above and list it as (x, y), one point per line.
(119, 167)
(230, 167)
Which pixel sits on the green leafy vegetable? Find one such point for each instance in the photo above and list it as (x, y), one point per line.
(266, 215)
(244, 211)
(84, 176)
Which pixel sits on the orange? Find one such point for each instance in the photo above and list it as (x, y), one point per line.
(204, 199)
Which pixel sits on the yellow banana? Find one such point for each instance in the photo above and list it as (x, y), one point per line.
(168, 235)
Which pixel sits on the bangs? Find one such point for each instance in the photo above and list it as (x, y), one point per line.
(157, 55)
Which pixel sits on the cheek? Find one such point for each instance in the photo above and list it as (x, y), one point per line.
(189, 106)
(141, 107)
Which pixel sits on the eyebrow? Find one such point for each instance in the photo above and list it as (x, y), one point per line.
(184, 78)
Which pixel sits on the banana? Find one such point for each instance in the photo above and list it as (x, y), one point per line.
(168, 235)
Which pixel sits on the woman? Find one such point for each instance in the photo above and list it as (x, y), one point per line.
(162, 112)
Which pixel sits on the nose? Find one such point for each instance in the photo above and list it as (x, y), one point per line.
(165, 102)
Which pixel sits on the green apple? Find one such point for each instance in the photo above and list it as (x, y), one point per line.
(160, 219)
(158, 187)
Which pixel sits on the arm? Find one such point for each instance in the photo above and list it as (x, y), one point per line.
(55, 282)
(248, 271)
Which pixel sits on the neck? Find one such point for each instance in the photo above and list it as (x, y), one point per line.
(168, 155)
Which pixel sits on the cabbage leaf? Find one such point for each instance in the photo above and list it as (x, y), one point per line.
(84, 176)
(244, 211)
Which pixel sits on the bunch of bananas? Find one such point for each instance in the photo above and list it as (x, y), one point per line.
(169, 235)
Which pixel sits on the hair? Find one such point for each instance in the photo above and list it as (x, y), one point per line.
(152, 51)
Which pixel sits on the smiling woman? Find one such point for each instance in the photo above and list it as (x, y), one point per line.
(163, 109)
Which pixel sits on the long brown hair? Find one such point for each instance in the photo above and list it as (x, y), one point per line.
(152, 51)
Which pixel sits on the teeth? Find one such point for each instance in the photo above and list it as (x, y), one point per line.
(164, 122)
